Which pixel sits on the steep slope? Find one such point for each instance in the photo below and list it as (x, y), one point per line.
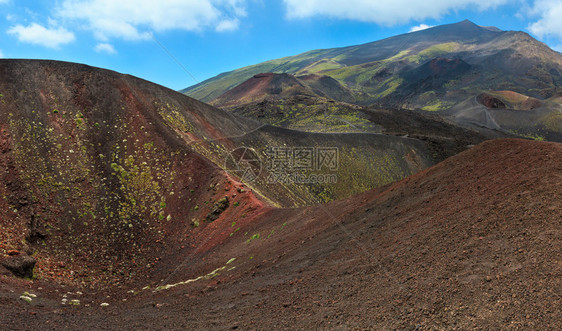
(262, 86)
(473, 242)
(96, 183)
(211, 133)
(270, 86)
(327, 87)
(110, 179)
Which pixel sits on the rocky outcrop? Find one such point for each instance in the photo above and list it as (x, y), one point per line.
(20, 265)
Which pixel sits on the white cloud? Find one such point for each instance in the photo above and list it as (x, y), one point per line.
(420, 27)
(105, 48)
(549, 22)
(136, 19)
(229, 25)
(1, 54)
(384, 12)
(39, 35)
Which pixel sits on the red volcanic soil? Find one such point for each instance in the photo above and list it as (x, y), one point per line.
(274, 86)
(255, 86)
(508, 99)
(97, 185)
(262, 86)
(473, 242)
(490, 102)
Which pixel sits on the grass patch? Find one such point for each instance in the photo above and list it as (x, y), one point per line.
(254, 237)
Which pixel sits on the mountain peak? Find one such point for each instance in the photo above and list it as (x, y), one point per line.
(468, 24)
(466, 21)
(465, 25)
(463, 31)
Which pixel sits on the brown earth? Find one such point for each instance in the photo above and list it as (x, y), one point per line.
(280, 86)
(262, 86)
(508, 99)
(473, 242)
(111, 184)
(96, 184)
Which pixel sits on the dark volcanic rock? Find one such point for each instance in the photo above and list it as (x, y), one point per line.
(433, 74)
(21, 265)
(36, 231)
(218, 208)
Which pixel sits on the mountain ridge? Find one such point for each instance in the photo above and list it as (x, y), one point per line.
(437, 69)
(447, 36)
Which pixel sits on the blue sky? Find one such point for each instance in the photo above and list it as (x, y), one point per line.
(157, 40)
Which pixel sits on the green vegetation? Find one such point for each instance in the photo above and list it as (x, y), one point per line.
(319, 117)
(320, 66)
(74, 302)
(141, 183)
(553, 121)
(214, 87)
(233, 232)
(384, 168)
(26, 298)
(532, 136)
(254, 237)
(391, 85)
(171, 114)
(434, 51)
(90, 177)
(319, 62)
(437, 105)
(398, 56)
(373, 71)
(345, 73)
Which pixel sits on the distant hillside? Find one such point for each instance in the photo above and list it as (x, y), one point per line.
(399, 69)
(272, 86)
(435, 69)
